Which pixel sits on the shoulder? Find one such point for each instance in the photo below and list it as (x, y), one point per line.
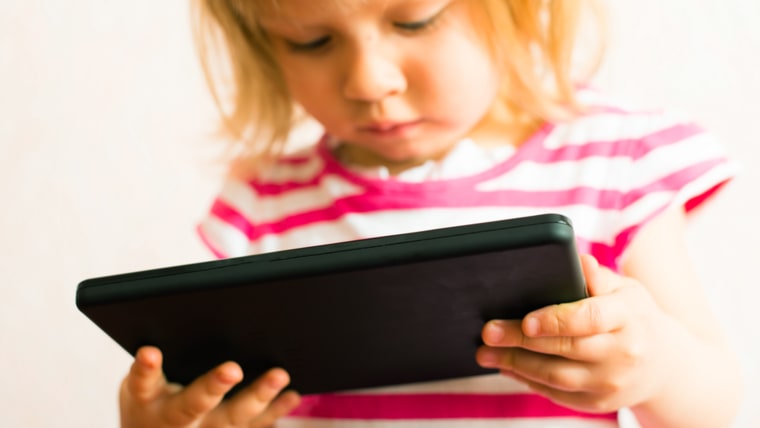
(604, 118)
(255, 196)
(297, 166)
(608, 128)
(642, 161)
(658, 140)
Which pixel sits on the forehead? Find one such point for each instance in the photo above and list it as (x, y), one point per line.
(299, 11)
(302, 14)
(289, 9)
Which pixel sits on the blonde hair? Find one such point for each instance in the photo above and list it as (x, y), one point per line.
(533, 41)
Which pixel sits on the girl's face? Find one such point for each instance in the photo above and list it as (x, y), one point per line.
(397, 81)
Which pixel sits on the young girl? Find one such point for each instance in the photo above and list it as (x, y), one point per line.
(444, 112)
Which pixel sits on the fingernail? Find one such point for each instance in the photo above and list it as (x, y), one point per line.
(494, 332)
(531, 326)
(278, 380)
(488, 358)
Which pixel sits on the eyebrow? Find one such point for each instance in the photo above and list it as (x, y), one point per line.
(271, 20)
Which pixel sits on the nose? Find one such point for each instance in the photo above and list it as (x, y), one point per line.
(372, 75)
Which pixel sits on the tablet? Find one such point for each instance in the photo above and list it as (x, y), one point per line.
(373, 312)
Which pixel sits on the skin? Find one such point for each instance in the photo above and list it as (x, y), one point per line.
(147, 400)
(644, 339)
(398, 82)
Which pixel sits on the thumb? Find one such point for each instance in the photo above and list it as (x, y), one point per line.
(599, 279)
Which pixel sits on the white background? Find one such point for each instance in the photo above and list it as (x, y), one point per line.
(107, 162)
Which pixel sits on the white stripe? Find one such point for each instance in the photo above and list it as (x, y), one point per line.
(224, 237)
(610, 127)
(595, 172)
(306, 236)
(299, 172)
(642, 209)
(705, 182)
(589, 223)
(265, 209)
(607, 173)
(668, 159)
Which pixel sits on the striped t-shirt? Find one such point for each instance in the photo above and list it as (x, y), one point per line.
(610, 171)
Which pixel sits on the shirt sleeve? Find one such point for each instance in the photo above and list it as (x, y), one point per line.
(679, 164)
(227, 228)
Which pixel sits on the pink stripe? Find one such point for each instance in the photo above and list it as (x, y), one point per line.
(374, 202)
(231, 216)
(436, 406)
(458, 198)
(263, 189)
(439, 195)
(624, 238)
(274, 189)
(532, 149)
(205, 239)
(332, 166)
(604, 254)
(672, 182)
(630, 148)
(294, 160)
(608, 255)
(674, 134)
(698, 200)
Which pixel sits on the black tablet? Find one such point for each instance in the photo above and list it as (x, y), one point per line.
(380, 311)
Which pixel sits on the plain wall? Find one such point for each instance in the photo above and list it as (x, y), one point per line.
(107, 163)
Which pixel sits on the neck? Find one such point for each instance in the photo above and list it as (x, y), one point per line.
(488, 134)
(357, 156)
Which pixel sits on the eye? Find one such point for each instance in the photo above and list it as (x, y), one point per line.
(416, 25)
(308, 46)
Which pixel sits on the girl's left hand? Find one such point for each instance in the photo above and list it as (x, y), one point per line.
(596, 355)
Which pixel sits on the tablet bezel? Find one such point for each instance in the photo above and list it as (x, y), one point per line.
(332, 335)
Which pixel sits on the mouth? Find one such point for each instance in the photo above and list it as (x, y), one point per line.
(390, 128)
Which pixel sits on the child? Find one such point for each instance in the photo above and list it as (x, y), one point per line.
(445, 112)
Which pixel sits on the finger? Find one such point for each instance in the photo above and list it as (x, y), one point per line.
(604, 312)
(578, 400)
(254, 400)
(281, 406)
(599, 280)
(593, 348)
(203, 395)
(503, 333)
(145, 380)
(548, 370)
(594, 315)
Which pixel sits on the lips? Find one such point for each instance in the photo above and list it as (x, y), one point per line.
(388, 128)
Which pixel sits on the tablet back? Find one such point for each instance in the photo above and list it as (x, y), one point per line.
(381, 311)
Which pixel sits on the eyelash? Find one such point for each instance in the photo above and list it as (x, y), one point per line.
(316, 44)
(308, 46)
(416, 25)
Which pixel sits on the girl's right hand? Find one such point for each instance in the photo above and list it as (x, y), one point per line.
(146, 399)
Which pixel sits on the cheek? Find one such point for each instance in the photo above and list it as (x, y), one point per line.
(318, 99)
(458, 79)
(310, 91)
(300, 86)
(304, 79)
